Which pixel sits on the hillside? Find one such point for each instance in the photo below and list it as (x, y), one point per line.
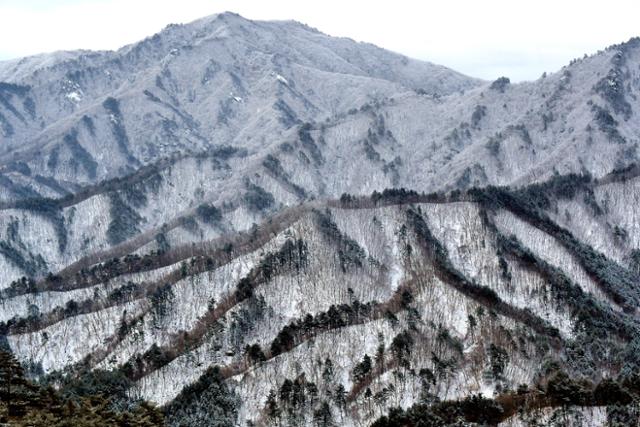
(255, 223)
(273, 124)
(85, 116)
(394, 300)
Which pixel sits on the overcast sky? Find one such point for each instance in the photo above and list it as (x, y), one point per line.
(482, 38)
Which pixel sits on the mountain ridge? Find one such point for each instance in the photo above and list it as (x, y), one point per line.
(398, 200)
(259, 224)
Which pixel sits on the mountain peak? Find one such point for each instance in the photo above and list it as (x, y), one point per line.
(255, 223)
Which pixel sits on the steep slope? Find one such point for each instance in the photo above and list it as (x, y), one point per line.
(579, 119)
(226, 80)
(282, 112)
(170, 221)
(507, 134)
(345, 309)
(219, 79)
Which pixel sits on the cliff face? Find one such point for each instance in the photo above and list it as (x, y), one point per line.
(183, 194)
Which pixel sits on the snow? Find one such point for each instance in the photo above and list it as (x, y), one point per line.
(191, 297)
(281, 79)
(550, 250)
(69, 341)
(290, 296)
(74, 96)
(593, 416)
(472, 250)
(46, 301)
(331, 81)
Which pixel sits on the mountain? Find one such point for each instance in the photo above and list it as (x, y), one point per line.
(217, 80)
(256, 223)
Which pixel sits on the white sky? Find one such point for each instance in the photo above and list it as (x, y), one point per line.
(482, 38)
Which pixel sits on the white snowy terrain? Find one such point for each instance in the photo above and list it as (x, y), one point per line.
(203, 213)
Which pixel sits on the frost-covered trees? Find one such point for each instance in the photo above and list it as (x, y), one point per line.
(500, 84)
(208, 213)
(208, 402)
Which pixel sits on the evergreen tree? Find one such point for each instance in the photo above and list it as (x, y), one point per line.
(362, 369)
(14, 388)
(208, 402)
(327, 372)
(340, 397)
(255, 354)
(322, 416)
(273, 411)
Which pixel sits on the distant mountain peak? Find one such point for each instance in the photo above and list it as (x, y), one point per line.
(255, 223)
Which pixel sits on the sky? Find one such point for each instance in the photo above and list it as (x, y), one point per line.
(519, 39)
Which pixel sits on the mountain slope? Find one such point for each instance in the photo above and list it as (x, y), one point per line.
(495, 133)
(204, 217)
(435, 293)
(218, 79)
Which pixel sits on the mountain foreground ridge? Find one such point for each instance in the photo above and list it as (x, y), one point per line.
(182, 225)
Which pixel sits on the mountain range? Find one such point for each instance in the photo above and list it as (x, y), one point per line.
(254, 223)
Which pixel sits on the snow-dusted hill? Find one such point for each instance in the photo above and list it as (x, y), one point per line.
(277, 114)
(75, 118)
(364, 304)
(171, 212)
(217, 80)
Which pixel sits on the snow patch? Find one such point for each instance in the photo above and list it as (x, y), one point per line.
(74, 96)
(281, 79)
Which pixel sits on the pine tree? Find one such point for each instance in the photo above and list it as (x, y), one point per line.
(254, 353)
(286, 391)
(273, 411)
(322, 416)
(380, 350)
(362, 369)
(327, 372)
(14, 388)
(340, 397)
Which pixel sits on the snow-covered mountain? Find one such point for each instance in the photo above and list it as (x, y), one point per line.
(193, 213)
(218, 80)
